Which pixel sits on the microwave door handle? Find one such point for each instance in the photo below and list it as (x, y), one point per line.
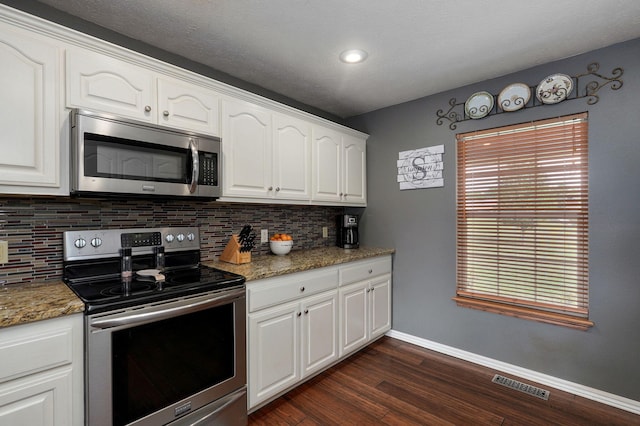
(195, 166)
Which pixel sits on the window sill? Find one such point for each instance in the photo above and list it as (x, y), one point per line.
(525, 313)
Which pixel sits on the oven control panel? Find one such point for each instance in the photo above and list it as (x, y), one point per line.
(103, 243)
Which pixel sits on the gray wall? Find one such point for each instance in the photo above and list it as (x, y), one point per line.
(420, 224)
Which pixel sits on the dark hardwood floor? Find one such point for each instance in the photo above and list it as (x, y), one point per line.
(396, 383)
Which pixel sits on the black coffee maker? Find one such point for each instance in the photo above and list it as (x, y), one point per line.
(347, 231)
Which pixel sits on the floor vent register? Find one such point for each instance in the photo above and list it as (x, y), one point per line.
(522, 387)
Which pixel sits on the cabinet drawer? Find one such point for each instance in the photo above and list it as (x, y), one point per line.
(29, 348)
(273, 291)
(365, 269)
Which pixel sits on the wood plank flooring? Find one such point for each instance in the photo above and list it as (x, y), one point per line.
(392, 382)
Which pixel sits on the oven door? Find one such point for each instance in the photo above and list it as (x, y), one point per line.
(154, 364)
(126, 157)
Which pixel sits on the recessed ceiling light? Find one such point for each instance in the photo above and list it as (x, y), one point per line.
(353, 56)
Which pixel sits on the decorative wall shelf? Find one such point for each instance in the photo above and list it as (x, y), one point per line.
(456, 112)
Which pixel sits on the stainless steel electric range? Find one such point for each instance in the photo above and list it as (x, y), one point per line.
(166, 346)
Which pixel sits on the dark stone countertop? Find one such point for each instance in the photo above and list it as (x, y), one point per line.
(23, 303)
(28, 302)
(266, 266)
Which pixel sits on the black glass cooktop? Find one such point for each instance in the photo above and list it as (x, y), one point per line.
(107, 292)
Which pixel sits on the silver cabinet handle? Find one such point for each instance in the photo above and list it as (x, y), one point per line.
(165, 113)
(301, 289)
(270, 188)
(147, 108)
(277, 188)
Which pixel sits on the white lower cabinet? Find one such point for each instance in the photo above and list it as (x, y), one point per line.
(290, 335)
(41, 374)
(365, 302)
(302, 323)
(365, 312)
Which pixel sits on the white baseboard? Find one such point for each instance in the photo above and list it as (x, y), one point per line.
(554, 382)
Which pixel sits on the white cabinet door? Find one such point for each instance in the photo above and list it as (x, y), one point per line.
(273, 351)
(102, 83)
(189, 107)
(291, 158)
(365, 312)
(380, 302)
(39, 400)
(319, 332)
(355, 171)
(354, 314)
(28, 113)
(327, 165)
(41, 379)
(247, 150)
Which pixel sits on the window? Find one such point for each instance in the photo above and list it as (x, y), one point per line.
(522, 221)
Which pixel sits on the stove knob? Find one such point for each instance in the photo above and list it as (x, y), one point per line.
(96, 242)
(169, 238)
(180, 237)
(80, 242)
(191, 236)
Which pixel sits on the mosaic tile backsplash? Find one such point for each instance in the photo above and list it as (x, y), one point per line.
(33, 226)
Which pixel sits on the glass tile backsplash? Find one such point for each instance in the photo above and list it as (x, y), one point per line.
(33, 226)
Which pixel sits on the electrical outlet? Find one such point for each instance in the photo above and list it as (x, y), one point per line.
(4, 252)
(264, 236)
(325, 232)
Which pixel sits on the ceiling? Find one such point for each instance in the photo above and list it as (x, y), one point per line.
(416, 47)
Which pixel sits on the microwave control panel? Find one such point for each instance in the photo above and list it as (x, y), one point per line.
(208, 169)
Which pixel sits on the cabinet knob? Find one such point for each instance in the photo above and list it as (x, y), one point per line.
(271, 188)
(299, 313)
(341, 194)
(370, 271)
(301, 289)
(147, 108)
(165, 113)
(277, 188)
(368, 290)
(306, 311)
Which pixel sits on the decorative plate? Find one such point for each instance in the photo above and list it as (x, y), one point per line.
(514, 96)
(555, 88)
(479, 105)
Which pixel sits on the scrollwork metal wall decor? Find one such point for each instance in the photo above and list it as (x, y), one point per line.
(456, 112)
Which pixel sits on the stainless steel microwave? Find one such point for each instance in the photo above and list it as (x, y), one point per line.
(111, 156)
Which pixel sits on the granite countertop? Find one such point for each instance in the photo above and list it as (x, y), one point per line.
(28, 302)
(269, 265)
(23, 303)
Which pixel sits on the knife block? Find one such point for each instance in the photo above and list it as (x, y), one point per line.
(232, 254)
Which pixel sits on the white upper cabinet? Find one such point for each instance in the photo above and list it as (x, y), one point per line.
(291, 158)
(246, 148)
(339, 167)
(272, 153)
(327, 164)
(106, 84)
(29, 113)
(354, 171)
(267, 155)
(186, 106)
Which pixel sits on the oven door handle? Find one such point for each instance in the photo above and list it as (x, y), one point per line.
(163, 313)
